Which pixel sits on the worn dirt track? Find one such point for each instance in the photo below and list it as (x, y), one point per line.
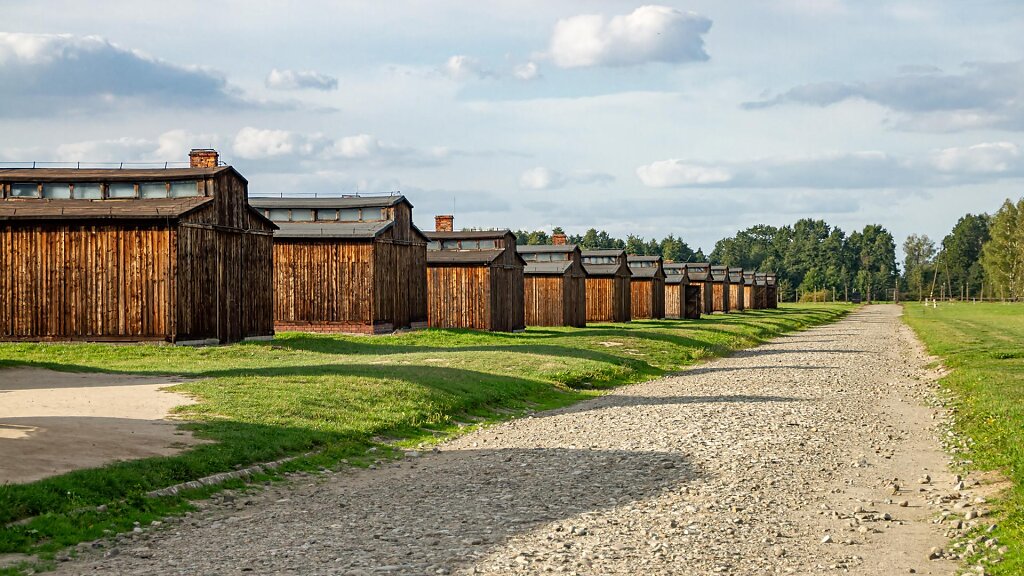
(55, 422)
(743, 465)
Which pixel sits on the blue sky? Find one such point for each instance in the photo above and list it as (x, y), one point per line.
(693, 118)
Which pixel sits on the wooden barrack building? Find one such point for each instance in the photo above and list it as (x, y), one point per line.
(760, 290)
(474, 279)
(682, 300)
(608, 286)
(736, 303)
(647, 287)
(772, 290)
(720, 289)
(555, 284)
(171, 254)
(349, 264)
(699, 274)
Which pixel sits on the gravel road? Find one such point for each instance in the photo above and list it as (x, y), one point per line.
(783, 459)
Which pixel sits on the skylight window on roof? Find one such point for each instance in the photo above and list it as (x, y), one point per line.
(184, 189)
(57, 190)
(88, 191)
(278, 214)
(24, 190)
(153, 190)
(120, 190)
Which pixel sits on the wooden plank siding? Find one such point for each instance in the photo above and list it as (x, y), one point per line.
(555, 285)
(736, 297)
(323, 285)
(609, 299)
(647, 298)
(675, 308)
(556, 300)
(80, 281)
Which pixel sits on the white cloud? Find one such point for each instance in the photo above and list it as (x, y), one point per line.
(677, 173)
(461, 67)
(254, 143)
(263, 144)
(648, 34)
(847, 170)
(527, 71)
(985, 158)
(171, 146)
(360, 146)
(541, 178)
(299, 80)
(44, 74)
(983, 95)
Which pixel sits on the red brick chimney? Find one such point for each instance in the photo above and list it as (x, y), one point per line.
(203, 158)
(559, 239)
(444, 223)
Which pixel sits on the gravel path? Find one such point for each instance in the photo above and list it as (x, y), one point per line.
(781, 459)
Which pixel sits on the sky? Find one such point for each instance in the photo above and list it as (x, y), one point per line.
(693, 118)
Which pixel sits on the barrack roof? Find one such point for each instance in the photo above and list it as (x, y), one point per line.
(339, 202)
(353, 230)
(545, 248)
(127, 209)
(463, 257)
(602, 269)
(547, 267)
(604, 252)
(108, 174)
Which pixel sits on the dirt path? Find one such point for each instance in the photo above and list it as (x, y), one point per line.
(778, 460)
(55, 422)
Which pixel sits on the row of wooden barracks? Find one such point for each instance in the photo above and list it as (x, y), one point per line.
(184, 255)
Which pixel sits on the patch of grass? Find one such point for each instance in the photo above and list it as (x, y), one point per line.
(332, 395)
(983, 345)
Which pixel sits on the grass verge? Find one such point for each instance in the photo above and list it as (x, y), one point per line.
(339, 395)
(983, 346)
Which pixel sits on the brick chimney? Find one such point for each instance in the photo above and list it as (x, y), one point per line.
(203, 158)
(444, 223)
(559, 239)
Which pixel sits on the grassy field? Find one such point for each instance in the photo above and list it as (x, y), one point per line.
(337, 396)
(983, 344)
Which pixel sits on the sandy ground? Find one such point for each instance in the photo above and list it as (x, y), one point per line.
(55, 422)
(817, 453)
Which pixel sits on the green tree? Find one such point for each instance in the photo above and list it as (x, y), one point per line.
(532, 238)
(636, 246)
(1003, 255)
(919, 255)
(877, 258)
(961, 253)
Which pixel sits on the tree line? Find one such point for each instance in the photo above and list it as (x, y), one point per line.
(670, 247)
(811, 256)
(981, 257)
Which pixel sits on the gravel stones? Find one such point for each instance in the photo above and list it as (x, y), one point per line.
(738, 466)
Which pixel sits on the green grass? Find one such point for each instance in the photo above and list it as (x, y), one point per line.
(983, 345)
(336, 396)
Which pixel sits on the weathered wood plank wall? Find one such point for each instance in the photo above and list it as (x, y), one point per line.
(86, 281)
